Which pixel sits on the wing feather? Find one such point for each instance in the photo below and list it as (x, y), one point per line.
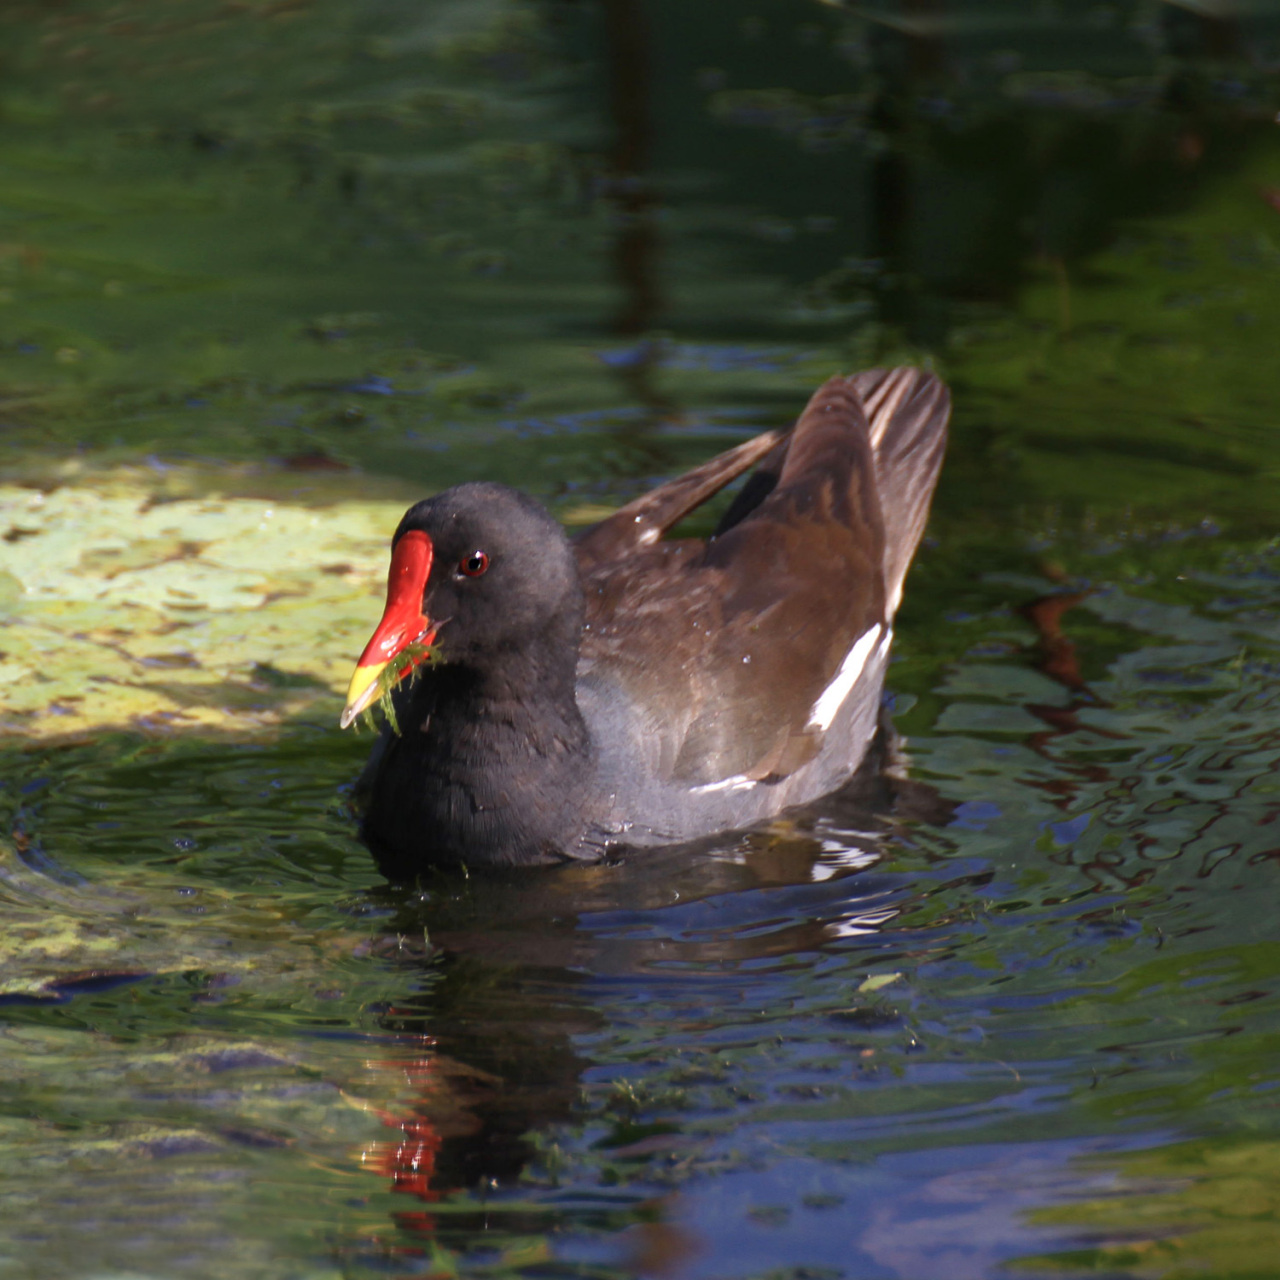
(723, 649)
(643, 521)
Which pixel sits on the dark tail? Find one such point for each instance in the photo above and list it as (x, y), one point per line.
(908, 411)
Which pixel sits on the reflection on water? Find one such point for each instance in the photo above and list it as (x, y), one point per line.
(1008, 1003)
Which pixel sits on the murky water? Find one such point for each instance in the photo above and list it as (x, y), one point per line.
(1008, 1005)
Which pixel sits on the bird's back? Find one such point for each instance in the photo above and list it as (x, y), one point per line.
(727, 679)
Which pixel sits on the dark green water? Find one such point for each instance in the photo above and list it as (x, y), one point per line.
(1012, 1009)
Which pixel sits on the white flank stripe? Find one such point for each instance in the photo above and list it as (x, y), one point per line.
(735, 783)
(833, 696)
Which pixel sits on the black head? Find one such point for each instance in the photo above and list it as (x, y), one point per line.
(503, 575)
(488, 579)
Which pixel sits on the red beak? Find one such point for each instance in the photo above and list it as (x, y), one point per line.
(403, 623)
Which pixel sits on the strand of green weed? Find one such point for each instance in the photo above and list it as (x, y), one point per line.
(408, 663)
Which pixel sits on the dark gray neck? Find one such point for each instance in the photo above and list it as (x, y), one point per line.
(519, 716)
(493, 766)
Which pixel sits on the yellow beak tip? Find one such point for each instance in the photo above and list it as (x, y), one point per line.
(361, 692)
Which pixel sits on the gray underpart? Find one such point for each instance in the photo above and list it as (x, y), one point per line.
(642, 809)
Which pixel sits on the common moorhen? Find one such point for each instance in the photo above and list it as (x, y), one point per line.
(626, 689)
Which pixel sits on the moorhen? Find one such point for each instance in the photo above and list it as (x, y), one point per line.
(626, 689)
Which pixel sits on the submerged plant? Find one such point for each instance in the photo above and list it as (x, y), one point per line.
(407, 665)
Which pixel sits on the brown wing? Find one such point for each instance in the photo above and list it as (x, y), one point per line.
(722, 648)
(641, 523)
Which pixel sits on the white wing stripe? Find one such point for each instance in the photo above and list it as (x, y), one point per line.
(736, 783)
(832, 697)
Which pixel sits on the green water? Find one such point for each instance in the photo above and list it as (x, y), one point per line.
(1011, 1009)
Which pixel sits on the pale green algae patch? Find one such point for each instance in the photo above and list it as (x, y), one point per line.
(123, 608)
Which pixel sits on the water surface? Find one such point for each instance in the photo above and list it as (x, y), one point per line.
(1005, 1006)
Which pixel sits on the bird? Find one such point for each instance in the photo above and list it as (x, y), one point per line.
(560, 698)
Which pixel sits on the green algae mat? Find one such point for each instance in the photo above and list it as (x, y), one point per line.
(271, 270)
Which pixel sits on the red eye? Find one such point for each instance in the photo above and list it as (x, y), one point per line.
(474, 564)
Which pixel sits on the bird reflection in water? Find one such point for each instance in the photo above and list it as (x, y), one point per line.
(518, 970)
